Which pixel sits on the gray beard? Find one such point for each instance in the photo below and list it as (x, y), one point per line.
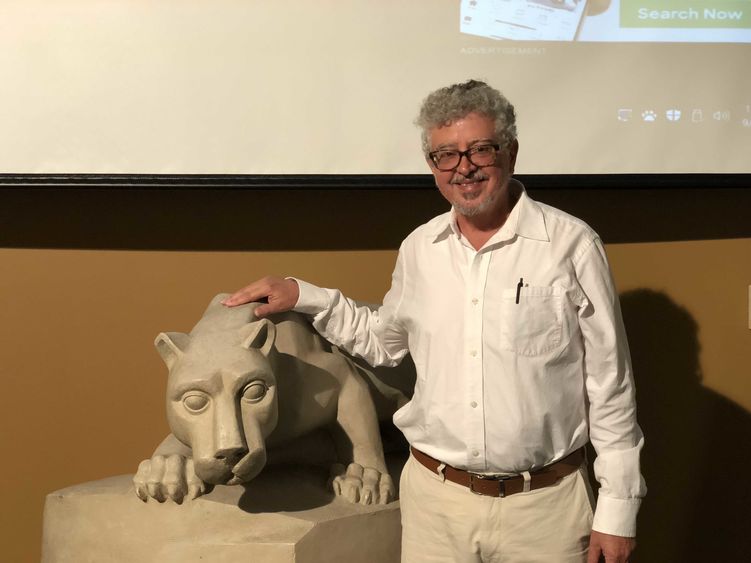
(476, 210)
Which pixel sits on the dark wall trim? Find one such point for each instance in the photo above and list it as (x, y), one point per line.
(273, 213)
(365, 181)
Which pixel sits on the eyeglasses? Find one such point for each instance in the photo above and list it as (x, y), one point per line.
(479, 155)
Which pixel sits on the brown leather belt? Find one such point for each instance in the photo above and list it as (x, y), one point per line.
(495, 486)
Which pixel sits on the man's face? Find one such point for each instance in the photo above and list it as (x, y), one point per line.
(473, 191)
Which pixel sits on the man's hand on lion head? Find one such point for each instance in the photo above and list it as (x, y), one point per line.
(280, 295)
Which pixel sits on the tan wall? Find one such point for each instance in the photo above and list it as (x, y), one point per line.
(84, 388)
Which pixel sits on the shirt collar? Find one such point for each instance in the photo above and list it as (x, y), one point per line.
(530, 221)
(445, 226)
(525, 220)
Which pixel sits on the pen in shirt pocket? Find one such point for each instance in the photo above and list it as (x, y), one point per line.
(519, 289)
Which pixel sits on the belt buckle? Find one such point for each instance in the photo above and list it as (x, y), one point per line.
(481, 477)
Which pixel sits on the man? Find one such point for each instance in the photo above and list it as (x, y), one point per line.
(508, 309)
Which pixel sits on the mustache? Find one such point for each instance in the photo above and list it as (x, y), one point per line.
(476, 176)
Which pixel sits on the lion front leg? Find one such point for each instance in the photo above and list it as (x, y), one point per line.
(363, 485)
(366, 479)
(169, 474)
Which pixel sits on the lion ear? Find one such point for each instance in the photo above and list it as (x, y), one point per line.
(170, 346)
(259, 334)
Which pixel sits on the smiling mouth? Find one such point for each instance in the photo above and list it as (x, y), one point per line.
(470, 189)
(467, 182)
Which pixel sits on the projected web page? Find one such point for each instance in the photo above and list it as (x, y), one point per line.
(687, 21)
(648, 81)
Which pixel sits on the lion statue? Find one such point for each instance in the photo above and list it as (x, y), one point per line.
(242, 389)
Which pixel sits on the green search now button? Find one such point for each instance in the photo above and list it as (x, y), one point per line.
(690, 14)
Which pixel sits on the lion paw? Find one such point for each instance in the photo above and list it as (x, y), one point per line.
(363, 485)
(168, 477)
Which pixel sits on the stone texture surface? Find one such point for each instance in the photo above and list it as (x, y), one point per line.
(286, 514)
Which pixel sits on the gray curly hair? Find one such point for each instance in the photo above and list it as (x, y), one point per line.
(448, 104)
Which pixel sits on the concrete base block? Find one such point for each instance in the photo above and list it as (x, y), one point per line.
(284, 515)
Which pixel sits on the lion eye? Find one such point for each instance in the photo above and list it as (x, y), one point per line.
(195, 402)
(255, 391)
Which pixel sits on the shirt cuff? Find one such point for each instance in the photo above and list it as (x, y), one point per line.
(312, 299)
(616, 516)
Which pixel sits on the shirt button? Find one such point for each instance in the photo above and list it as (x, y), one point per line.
(473, 404)
(473, 353)
(475, 453)
(475, 301)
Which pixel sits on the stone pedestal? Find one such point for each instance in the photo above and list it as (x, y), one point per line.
(284, 515)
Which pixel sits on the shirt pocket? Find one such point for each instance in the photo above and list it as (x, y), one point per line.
(534, 325)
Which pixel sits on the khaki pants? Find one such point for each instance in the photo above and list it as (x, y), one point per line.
(445, 522)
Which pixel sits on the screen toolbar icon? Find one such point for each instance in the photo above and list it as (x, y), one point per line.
(721, 115)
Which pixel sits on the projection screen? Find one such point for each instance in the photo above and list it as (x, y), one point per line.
(332, 86)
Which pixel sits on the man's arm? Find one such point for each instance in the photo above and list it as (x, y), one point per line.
(614, 433)
(374, 335)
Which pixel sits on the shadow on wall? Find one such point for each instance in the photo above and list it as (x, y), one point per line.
(697, 454)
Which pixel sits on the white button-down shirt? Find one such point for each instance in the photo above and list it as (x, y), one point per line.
(519, 347)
